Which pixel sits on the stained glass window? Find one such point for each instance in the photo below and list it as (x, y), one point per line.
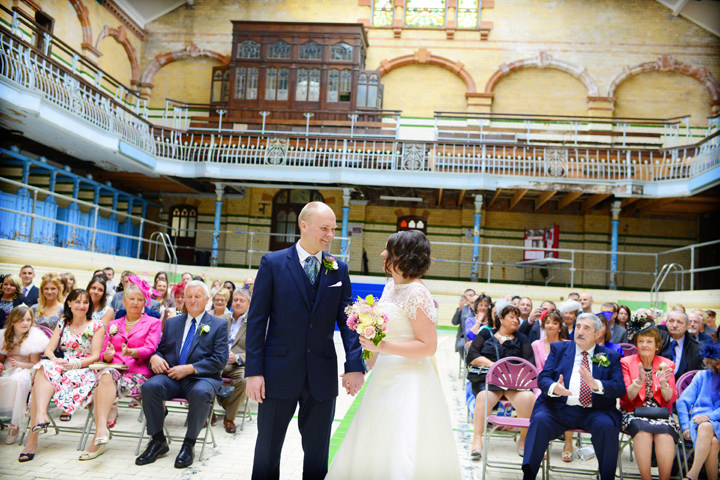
(411, 222)
(382, 13)
(468, 13)
(310, 51)
(182, 221)
(425, 13)
(308, 85)
(279, 49)
(339, 85)
(248, 49)
(276, 83)
(341, 51)
(246, 79)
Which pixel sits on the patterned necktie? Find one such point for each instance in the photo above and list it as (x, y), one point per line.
(585, 392)
(185, 350)
(311, 268)
(673, 345)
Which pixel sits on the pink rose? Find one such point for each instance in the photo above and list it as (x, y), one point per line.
(369, 332)
(384, 327)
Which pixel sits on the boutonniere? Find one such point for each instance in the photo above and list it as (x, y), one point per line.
(113, 330)
(601, 359)
(330, 263)
(204, 328)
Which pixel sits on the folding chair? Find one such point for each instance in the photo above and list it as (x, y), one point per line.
(686, 445)
(511, 373)
(562, 469)
(89, 431)
(628, 349)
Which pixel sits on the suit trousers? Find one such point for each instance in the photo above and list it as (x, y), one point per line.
(199, 392)
(547, 423)
(232, 404)
(314, 422)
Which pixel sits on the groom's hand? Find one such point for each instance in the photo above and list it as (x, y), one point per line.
(353, 382)
(255, 388)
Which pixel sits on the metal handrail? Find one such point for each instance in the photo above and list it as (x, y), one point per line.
(660, 279)
(169, 249)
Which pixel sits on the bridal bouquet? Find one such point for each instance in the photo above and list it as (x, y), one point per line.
(367, 319)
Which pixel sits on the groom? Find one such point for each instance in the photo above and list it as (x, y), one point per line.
(300, 295)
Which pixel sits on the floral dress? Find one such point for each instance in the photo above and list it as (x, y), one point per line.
(632, 424)
(73, 388)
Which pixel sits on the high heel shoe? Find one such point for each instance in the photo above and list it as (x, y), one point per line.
(40, 428)
(103, 440)
(91, 455)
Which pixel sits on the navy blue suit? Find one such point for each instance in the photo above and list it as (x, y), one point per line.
(208, 354)
(31, 298)
(290, 329)
(551, 416)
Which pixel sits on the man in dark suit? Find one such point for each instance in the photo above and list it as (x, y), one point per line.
(580, 384)
(29, 291)
(300, 295)
(189, 359)
(678, 345)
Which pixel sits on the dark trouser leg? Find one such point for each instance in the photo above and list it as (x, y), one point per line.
(200, 394)
(154, 392)
(315, 422)
(604, 429)
(273, 418)
(237, 397)
(544, 426)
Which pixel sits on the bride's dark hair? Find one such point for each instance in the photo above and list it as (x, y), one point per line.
(409, 252)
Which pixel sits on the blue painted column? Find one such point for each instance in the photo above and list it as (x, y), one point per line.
(345, 223)
(141, 230)
(476, 238)
(219, 189)
(614, 234)
(23, 203)
(72, 238)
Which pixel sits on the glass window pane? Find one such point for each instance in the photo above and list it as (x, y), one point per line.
(371, 96)
(333, 78)
(382, 13)
(248, 49)
(300, 196)
(310, 51)
(252, 83)
(279, 49)
(361, 95)
(468, 13)
(270, 83)
(314, 91)
(302, 85)
(283, 82)
(425, 13)
(240, 82)
(345, 85)
(341, 51)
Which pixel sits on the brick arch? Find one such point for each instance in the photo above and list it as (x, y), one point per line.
(191, 51)
(544, 60)
(665, 63)
(423, 57)
(84, 17)
(120, 34)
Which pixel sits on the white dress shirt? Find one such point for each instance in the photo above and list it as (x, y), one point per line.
(678, 351)
(188, 323)
(303, 254)
(574, 386)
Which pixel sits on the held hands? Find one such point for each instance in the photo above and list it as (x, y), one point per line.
(353, 382)
(560, 389)
(255, 388)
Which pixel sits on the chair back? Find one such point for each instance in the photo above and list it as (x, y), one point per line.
(684, 380)
(512, 373)
(45, 330)
(628, 349)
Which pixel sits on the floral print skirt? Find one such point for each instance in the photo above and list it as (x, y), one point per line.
(73, 388)
(128, 384)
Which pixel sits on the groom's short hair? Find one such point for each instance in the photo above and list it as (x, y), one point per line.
(309, 209)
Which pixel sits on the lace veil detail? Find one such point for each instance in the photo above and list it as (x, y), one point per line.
(410, 297)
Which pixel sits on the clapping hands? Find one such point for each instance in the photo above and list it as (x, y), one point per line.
(560, 389)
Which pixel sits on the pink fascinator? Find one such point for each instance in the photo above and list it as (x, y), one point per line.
(144, 287)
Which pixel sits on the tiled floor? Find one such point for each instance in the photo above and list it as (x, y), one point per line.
(232, 458)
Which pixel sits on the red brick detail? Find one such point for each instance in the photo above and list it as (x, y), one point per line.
(191, 51)
(544, 60)
(423, 56)
(120, 34)
(84, 17)
(665, 63)
(364, 3)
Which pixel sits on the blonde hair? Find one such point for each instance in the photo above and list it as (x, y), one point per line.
(55, 280)
(16, 315)
(224, 292)
(15, 280)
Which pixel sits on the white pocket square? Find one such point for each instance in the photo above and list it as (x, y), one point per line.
(338, 284)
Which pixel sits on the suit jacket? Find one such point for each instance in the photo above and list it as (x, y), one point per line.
(238, 345)
(630, 367)
(208, 351)
(31, 298)
(289, 337)
(561, 360)
(618, 334)
(144, 337)
(690, 359)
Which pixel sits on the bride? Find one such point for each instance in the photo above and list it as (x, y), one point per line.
(402, 429)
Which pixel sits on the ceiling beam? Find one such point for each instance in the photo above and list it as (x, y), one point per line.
(517, 197)
(497, 194)
(656, 204)
(461, 198)
(593, 200)
(543, 198)
(569, 198)
(440, 193)
(628, 201)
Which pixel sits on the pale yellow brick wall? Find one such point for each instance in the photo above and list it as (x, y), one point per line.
(538, 91)
(187, 80)
(114, 60)
(407, 89)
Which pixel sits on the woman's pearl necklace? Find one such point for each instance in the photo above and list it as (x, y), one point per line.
(503, 338)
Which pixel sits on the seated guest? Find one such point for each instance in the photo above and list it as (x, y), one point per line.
(617, 333)
(109, 274)
(679, 346)
(578, 392)
(21, 346)
(569, 310)
(116, 302)
(696, 326)
(49, 308)
(462, 313)
(29, 291)
(66, 380)
(219, 303)
(178, 294)
(701, 400)
(235, 368)
(711, 324)
(249, 284)
(647, 406)
(188, 362)
(487, 348)
(11, 296)
(480, 319)
(586, 302)
(603, 335)
(152, 307)
(97, 288)
(164, 298)
(553, 326)
(129, 340)
(68, 281)
(623, 315)
(230, 286)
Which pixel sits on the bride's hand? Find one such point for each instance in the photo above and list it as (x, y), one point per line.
(369, 345)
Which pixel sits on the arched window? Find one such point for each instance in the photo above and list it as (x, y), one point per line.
(248, 49)
(341, 51)
(411, 222)
(279, 49)
(183, 221)
(287, 205)
(310, 51)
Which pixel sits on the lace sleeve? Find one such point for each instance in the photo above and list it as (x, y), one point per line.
(419, 297)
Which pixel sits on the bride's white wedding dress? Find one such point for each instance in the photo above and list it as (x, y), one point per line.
(402, 428)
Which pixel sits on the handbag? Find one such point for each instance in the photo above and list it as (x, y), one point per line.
(653, 413)
(58, 352)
